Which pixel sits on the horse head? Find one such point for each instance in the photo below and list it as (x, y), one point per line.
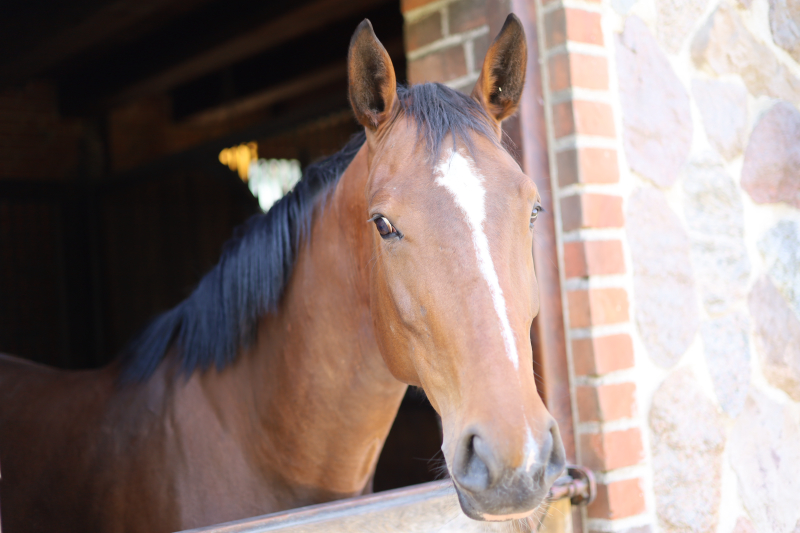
(453, 291)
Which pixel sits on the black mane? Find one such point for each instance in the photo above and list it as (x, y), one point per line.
(220, 316)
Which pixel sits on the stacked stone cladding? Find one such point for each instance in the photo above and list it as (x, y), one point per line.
(674, 136)
(706, 95)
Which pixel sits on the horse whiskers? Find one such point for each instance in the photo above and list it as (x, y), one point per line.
(439, 466)
(539, 514)
(534, 521)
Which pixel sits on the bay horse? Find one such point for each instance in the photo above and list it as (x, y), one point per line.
(404, 259)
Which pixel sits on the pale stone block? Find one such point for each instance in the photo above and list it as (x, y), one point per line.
(771, 170)
(687, 445)
(713, 210)
(663, 280)
(723, 107)
(784, 21)
(743, 525)
(676, 18)
(727, 352)
(777, 337)
(657, 125)
(724, 46)
(780, 248)
(765, 455)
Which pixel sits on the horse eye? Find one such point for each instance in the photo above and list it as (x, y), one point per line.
(385, 227)
(537, 208)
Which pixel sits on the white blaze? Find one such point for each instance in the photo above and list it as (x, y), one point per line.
(531, 449)
(459, 177)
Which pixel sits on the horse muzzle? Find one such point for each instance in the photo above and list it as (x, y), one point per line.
(490, 490)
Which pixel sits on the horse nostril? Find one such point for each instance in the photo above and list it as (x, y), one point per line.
(471, 468)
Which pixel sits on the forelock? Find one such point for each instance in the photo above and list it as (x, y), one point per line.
(439, 111)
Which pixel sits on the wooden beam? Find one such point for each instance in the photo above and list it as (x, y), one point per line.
(106, 24)
(300, 85)
(332, 72)
(303, 20)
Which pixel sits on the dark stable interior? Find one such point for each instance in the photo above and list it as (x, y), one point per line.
(158, 89)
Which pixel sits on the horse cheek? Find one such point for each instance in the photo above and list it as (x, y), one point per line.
(393, 340)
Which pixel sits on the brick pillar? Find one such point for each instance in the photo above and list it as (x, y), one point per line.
(582, 139)
(446, 40)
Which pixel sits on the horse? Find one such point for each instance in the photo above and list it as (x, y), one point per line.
(403, 260)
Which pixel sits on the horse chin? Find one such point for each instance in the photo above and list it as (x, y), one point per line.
(469, 508)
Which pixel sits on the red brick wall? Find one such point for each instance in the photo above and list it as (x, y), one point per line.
(447, 40)
(582, 140)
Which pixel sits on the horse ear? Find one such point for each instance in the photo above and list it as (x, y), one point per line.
(502, 77)
(373, 86)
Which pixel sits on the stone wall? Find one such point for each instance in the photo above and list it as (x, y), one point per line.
(706, 96)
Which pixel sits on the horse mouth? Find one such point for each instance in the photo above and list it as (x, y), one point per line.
(506, 517)
(502, 507)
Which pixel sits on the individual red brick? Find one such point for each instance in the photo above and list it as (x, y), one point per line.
(555, 28)
(572, 24)
(559, 73)
(597, 307)
(593, 258)
(563, 120)
(619, 499)
(601, 355)
(606, 402)
(611, 450)
(578, 70)
(604, 258)
(574, 260)
(567, 167)
(466, 15)
(583, 117)
(588, 72)
(480, 45)
(598, 165)
(584, 26)
(587, 165)
(423, 31)
(589, 210)
(441, 66)
(593, 118)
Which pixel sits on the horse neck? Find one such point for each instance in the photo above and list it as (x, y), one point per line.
(322, 394)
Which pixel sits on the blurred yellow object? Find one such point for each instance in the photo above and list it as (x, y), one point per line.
(238, 158)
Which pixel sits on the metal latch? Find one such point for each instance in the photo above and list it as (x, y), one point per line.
(577, 484)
